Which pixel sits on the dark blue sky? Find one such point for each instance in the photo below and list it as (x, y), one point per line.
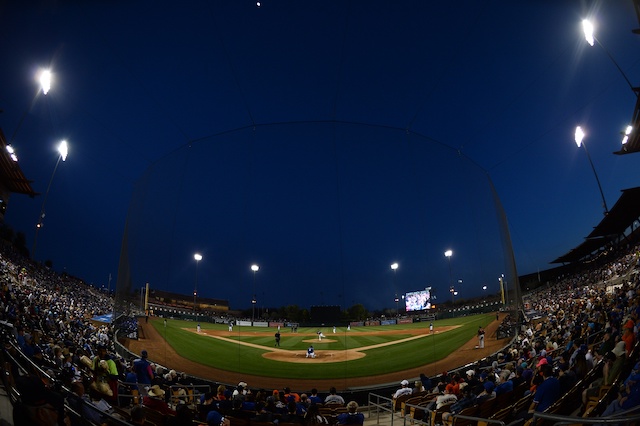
(438, 94)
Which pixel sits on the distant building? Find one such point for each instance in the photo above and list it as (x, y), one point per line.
(185, 302)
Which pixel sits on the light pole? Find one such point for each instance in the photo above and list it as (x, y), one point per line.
(255, 268)
(63, 150)
(579, 138)
(484, 289)
(45, 85)
(198, 258)
(394, 267)
(448, 255)
(588, 28)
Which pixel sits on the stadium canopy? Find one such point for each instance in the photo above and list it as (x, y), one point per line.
(11, 177)
(633, 143)
(620, 218)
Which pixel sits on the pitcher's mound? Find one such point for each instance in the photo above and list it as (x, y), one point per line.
(321, 356)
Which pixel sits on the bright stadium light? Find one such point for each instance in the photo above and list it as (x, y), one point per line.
(45, 81)
(579, 138)
(198, 258)
(63, 151)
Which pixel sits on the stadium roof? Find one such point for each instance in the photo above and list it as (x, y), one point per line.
(11, 176)
(620, 217)
(633, 144)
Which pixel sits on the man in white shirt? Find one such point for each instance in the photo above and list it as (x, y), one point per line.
(404, 390)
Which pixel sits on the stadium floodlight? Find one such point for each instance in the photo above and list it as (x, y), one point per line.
(587, 28)
(63, 151)
(394, 267)
(589, 35)
(626, 133)
(198, 258)
(579, 138)
(448, 255)
(255, 268)
(45, 81)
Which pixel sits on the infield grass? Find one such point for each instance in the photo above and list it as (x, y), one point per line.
(399, 356)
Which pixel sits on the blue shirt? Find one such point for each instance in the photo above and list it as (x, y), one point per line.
(504, 387)
(547, 393)
(350, 419)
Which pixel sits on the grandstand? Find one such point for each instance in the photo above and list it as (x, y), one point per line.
(563, 317)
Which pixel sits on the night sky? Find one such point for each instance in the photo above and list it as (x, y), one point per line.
(321, 140)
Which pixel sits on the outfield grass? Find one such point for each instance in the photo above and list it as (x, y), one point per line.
(235, 357)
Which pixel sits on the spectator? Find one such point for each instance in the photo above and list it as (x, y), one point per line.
(183, 417)
(448, 397)
(313, 416)
(155, 400)
(468, 399)
(38, 406)
(105, 374)
(613, 362)
(426, 382)
(628, 336)
(221, 392)
(404, 389)
(291, 416)
(288, 393)
(137, 415)
(314, 398)
(333, 397)
(487, 392)
(547, 392)
(351, 417)
(216, 419)
(240, 391)
(207, 403)
(143, 371)
(303, 405)
(627, 399)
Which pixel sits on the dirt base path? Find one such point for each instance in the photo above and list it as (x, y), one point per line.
(164, 354)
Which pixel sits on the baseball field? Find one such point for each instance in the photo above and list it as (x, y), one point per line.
(348, 358)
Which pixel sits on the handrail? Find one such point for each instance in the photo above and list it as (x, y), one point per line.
(380, 404)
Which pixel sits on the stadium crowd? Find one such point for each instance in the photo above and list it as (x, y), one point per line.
(578, 330)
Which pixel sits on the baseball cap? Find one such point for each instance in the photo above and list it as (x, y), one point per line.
(144, 353)
(542, 362)
(404, 383)
(619, 349)
(214, 418)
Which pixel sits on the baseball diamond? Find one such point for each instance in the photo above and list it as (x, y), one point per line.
(179, 351)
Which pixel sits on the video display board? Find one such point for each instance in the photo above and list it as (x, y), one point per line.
(418, 300)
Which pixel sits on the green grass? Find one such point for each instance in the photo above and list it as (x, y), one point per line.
(235, 357)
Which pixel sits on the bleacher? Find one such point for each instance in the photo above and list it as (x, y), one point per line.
(576, 295)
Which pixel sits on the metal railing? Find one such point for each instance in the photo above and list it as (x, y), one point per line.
(380, 404)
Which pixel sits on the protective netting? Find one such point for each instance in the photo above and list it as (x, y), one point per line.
(325, 207)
